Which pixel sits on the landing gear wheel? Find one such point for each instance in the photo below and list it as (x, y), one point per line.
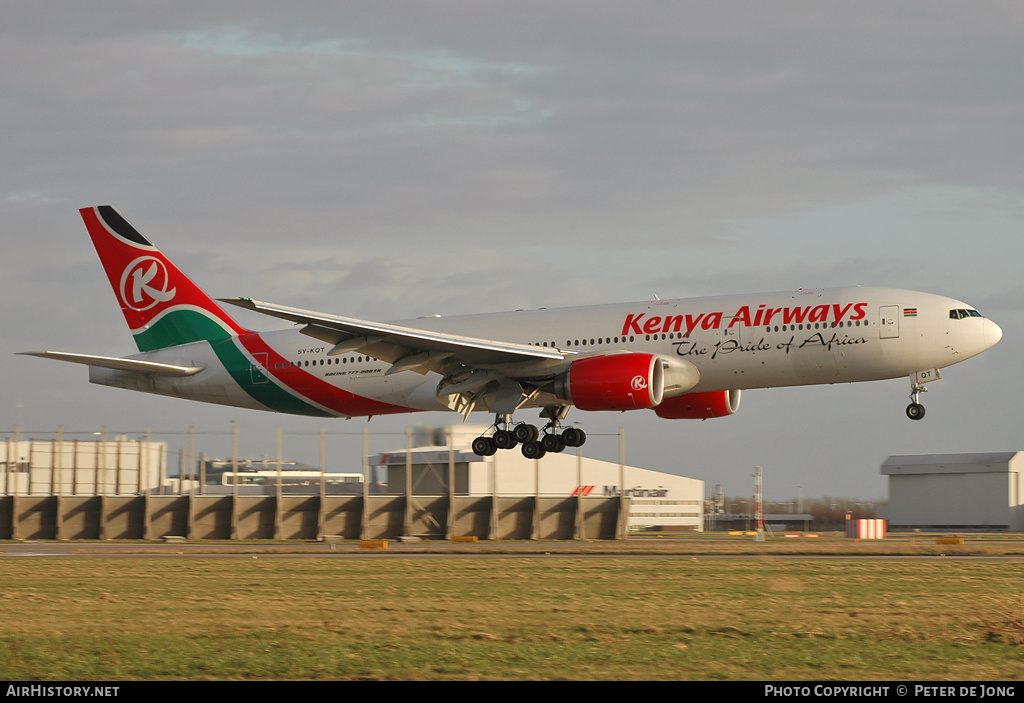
(553, 443)
(533, 449)
(573, 437)
(915, 411)
(526, 433)
(484, 446)
(504, 439)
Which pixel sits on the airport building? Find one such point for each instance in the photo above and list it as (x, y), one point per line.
(81, 467)
(955, 492)
(656, 500)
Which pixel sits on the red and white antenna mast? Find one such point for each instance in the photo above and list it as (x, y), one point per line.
(758, 506)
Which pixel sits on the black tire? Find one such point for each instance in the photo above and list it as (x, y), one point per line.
(505, 439)
(533, 450)
(915, 411)
(573, 437)
(553, 443)
(525, 433)
(484, 446)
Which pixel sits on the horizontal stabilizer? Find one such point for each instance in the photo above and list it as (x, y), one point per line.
(119, 364)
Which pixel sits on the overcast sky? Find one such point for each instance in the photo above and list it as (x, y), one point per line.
(390, 160)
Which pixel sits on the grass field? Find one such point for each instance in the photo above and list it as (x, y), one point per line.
(510, 617)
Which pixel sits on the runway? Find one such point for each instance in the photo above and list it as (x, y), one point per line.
(1011, 549)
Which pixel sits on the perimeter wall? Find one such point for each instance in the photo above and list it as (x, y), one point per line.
(227, 517)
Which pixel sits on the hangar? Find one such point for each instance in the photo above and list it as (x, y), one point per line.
(955, 491)
(82, 467)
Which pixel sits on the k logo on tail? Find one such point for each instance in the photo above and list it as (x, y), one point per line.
(141, 274)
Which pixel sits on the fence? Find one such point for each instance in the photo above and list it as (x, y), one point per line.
(67, 487)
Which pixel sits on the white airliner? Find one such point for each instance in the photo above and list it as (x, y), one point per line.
(684, 359)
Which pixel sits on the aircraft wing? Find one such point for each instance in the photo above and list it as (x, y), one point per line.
(113, 362)
(406, 348)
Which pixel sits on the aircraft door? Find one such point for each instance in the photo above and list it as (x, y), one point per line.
(257, 371)
(731, 333)
(889, 321)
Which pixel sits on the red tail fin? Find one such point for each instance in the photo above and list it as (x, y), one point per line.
(162, 306)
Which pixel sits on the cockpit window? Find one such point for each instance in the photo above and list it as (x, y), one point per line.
(961, 314)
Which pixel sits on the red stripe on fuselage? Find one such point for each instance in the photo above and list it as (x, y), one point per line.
(314, 389)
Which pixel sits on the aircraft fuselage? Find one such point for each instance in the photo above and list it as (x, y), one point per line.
(736, 342)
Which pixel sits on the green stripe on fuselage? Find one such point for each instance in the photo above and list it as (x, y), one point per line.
(187, 325)
(267, 393)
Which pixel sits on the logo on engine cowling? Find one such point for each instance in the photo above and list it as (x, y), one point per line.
(148, 283)
(639, 383)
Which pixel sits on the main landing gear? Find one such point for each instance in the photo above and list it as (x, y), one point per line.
(535, 442)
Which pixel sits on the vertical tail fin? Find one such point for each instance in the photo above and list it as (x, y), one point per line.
(162, 306)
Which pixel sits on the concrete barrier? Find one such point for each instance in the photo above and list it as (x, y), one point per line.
(307, 517)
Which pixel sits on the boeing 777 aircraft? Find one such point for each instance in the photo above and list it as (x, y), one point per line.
(684, 359)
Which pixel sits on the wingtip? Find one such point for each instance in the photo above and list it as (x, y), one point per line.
(240, 302)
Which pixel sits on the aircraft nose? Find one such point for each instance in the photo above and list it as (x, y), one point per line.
(993, 333)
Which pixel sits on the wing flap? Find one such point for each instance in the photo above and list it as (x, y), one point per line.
(112, 362)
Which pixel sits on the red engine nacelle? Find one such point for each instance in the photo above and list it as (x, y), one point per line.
(699, 406)
(614, 382)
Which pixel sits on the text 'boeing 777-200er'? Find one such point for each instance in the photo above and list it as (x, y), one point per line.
(683, 359)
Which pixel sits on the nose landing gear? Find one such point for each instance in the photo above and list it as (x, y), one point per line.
(915, 411)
